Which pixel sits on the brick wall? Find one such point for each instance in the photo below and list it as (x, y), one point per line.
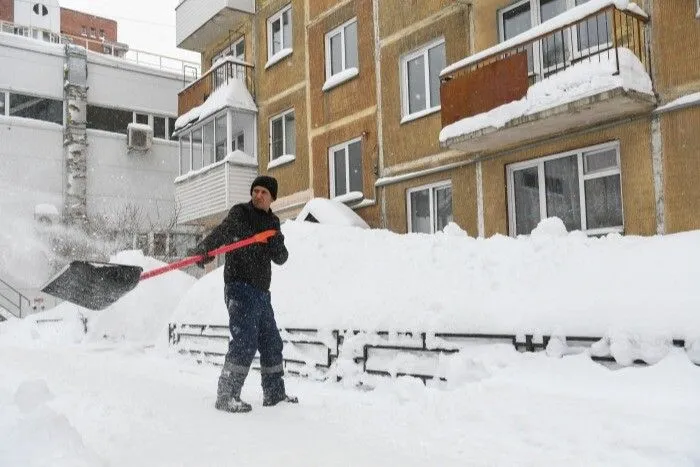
(72, 23)
(7, 10)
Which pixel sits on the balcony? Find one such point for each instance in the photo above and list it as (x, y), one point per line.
(581, 68)
(204, 196)
(218, 76)
(199, 23)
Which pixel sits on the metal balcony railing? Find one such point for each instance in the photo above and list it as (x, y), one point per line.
(218, 75)
(13, 301)
(504, 73)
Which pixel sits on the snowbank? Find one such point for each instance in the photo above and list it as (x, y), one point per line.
(549, 282)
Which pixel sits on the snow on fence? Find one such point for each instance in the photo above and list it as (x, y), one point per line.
(322, 354)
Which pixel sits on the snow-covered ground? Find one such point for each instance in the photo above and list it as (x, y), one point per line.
(119, 396)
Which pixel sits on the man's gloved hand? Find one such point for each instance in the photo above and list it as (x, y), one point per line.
(199, 251)
(276, 242)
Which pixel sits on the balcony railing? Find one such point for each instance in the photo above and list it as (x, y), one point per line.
(218, 75)
(504, 73)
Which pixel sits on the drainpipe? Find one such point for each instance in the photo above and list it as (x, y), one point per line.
(75, 136)
(383, 221)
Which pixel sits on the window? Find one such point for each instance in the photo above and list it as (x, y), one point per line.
(279, 31)
(697, 7)
(37, 108)
(553, 51)
(197, 149)
(141, 118)
(102, 33)
(93, 32)
(83, 31)
(345, 165)
(185, 154)
(429, 207)
(582, 188)
(2, 103)
(220, 131)
(238, 142)
(341, 48)
(420, 79)
(40, 9)
(159, 130)
(106, 119)
(235, 49)
(282, 135)
(209, 144)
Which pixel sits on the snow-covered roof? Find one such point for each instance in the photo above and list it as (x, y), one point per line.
(234, 94)
(569, 17)
(329, 211)
(579, 81)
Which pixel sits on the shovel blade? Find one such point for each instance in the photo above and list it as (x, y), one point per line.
(93, 285)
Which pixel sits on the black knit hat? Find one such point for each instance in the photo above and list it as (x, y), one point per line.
(266, 182)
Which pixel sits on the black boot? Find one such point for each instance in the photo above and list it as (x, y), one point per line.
(232, 404)
(274, 399)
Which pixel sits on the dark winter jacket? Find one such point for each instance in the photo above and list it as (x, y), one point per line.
(250, 264)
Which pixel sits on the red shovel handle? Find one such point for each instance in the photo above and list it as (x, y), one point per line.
(261, 237)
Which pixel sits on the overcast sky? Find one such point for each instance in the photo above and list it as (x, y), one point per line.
(147, 25)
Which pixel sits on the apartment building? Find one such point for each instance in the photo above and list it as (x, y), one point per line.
(492, 114)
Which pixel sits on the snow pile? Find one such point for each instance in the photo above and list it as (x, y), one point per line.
(581, 80)
(140, 316)
(34, 435)
(549, 282)
(328, 211)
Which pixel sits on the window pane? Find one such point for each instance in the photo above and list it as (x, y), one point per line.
(527, 200)
(599, 161)
(603, 202)
(415, 70)
(420, 211)
(277, 136)
(239, 142)
(2, 103)
(159, 127)
(355, 161)
(171, 128)
(351, 45)
(276, 37)
(209, 144)
(113, 120)
(185, 154)
(197, 149)
(553, 49)
(220, 137)
(142, 118)
(339, 172)
(516, 21)
(594, 31)
(436, 62)
(289, 134)
(443, 207)
(287, 29)
(37, 108)
(240, 50)
(336, 57)
(562, 191)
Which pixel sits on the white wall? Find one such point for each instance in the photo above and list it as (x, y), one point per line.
(117, 178)
(31, 67)
(115, 83)
(25, 15)
(31, 165)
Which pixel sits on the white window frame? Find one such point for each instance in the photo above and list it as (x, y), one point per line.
(285, 149)
(539, 163)
(403, 62)
(234, 141)
(329, 35)
(697, 8)
(431, 187)
(230, 50)
(270, 21)
(331, 165)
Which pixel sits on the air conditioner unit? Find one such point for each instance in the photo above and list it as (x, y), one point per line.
(140, 137)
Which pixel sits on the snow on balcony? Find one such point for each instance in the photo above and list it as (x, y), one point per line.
(579, 81)
(234, 94)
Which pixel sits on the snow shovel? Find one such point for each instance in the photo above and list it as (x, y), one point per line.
(96, 285)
